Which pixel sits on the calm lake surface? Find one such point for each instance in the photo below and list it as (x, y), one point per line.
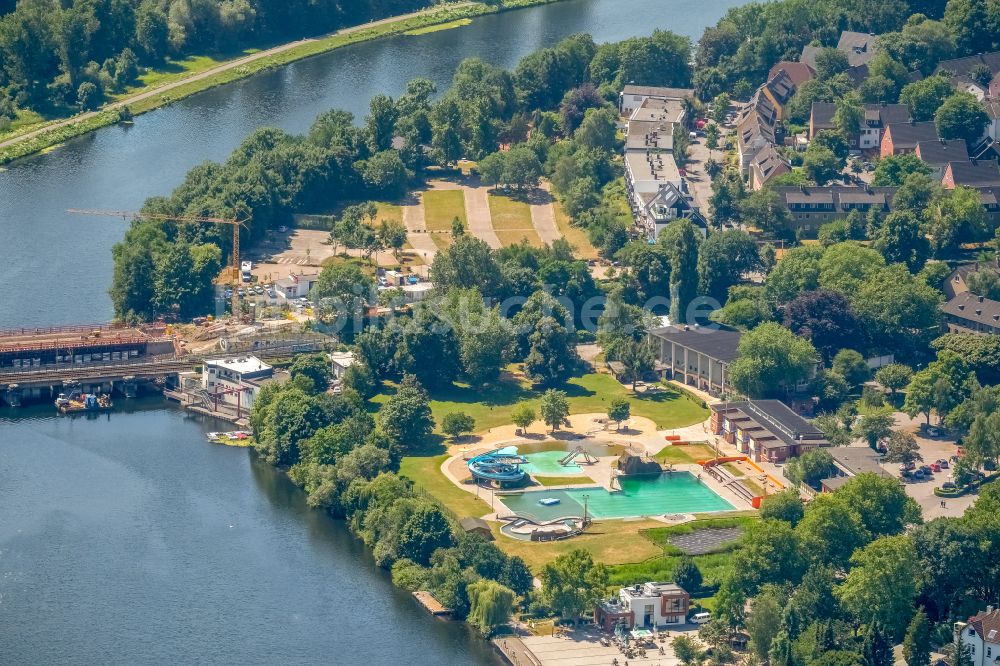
(129, 538)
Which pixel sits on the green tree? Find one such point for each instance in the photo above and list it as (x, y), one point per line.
(881, 586)
(723, 259)
(771, 356)
(769, 553)
(552, 355)
(830, 532)
(406, 415)
(457, 423)
(598, 129)
(554, 408)
(637, 359)
(881, 503)
(490, 605)
(901, 240)
(811, 467)
(917, 642)
(315, 366)
(423, 532)
(786, 505)
(923, 98)
(523, 416)
(894, 377)
(961, 116)
(491, 168)
(572, 582)
(851, 365)
(681, 243)
(392, 235)
(686, 649)
(850, 115)
(902, 447)
(940, 387)
(894, 169)
(619, 410)
(688, 576)
(764, 621)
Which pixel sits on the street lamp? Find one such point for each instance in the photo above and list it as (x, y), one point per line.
(585, 498)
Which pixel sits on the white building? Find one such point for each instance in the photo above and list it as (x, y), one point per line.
(632, 97)
(340, 362)
(235, 381)
(295, 285)
(644, 606)
(982, 636)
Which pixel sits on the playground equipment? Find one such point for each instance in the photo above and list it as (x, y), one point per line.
(498, 465)
(576, 453)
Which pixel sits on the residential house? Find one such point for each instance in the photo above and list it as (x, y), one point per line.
(695, 355)
(868, 135)
(937, 154)
(235, 381)
(765, 165)
(971, 173)
(958, 282)
(631, 97)
(478, 526)
(992, 106)
(756, 129)
(982, 636)
(779, 90)
(961, 70)
(798, 72)
(902, 138)
(664, 206)
(860, 48)
(968, 313)
(765, 430)
(811, 207)
(644, 606)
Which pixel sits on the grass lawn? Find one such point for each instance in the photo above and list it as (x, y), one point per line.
(436, 28)
(441, 207)
(609, 541)
(388, 211)
(576, 236)
(510, 237)
(685, 454)
(548, 481)
(591, 393)
(425, 472)
(509, 213)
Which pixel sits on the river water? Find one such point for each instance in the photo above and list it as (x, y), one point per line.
(130, 539)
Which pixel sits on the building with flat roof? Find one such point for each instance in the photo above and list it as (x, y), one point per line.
(632, 96)
(696, 356)
(235, 381)
(644, 607)
(767, 430)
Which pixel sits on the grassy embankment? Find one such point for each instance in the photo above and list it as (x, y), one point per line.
(441, 207)
(576, 236)
(512, 220)
(179, 70)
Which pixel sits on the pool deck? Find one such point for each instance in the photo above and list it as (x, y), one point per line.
(640, 435)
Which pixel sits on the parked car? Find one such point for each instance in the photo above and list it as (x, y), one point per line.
(907, 466)
(919, 475)
(926, 469)
(906, 474)
(948, 485)
(943, 463)
(935, 467)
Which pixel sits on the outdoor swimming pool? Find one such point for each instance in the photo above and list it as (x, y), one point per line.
(677, 492)
(546, 463)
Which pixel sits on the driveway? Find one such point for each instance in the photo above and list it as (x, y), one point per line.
(477, 212)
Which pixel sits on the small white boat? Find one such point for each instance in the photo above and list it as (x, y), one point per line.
(548, 501)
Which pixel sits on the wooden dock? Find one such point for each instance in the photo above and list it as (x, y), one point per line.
(432, 605)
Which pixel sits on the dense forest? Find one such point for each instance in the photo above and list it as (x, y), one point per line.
(59, 56)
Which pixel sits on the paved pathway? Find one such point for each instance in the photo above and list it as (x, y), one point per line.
(543, 215)
(477, 212)
(231, 64)
(416, 227)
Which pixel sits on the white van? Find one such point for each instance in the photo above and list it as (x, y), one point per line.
(701, 618)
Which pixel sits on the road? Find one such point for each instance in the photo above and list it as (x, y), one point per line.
(208, 73)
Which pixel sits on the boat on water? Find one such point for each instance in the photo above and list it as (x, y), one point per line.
(228, 437)
(77, 402)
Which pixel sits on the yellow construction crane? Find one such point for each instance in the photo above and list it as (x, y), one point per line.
(127, 215)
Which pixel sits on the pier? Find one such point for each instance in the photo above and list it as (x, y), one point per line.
(37, 364)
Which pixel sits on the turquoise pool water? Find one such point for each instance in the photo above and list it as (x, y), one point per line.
(678, 492)
(546, 463)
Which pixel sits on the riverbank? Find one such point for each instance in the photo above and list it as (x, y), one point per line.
(171, 88)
